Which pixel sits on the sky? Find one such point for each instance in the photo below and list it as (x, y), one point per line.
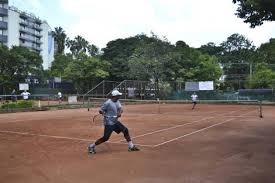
(195, 22)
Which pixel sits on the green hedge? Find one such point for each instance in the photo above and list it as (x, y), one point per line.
(18, 104)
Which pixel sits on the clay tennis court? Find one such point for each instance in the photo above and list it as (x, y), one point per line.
(213, 143)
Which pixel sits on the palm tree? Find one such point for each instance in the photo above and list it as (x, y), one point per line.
(78, 45)
(60, 37)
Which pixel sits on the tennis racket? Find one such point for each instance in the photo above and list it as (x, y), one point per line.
(98, 120)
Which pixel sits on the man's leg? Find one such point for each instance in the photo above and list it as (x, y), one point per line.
(108, 129)
(194, 104)
(121, 128)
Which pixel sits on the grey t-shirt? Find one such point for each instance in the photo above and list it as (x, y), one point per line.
(110, 110)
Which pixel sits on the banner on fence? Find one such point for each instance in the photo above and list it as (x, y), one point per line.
(199, 86)
(23, 86)
(72, 99)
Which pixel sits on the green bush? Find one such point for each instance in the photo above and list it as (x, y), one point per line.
(18, 104)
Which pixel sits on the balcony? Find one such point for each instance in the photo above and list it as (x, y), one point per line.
(35, 48)
(3, 38)
(3, 12)
(30, 39)
(3, 25)
(30, 25)
(30, 32)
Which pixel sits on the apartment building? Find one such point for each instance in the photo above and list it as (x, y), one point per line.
(18, 28)
(4, 21)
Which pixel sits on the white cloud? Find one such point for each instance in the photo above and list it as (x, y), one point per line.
(196, 22)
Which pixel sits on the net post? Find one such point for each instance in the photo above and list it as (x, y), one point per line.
(158, 103)
(261, 110)
(88, 104)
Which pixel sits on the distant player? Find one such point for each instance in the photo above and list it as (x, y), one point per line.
(59, 94)
(25, 95)
(13, 96)
(112, 110)
(194, 98)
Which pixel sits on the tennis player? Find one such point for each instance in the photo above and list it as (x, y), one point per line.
(112, 110)
(194, 98)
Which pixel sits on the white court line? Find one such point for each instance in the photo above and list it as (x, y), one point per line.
(165, 129)
(67, 138)
(193, 133)
(38, 119)
(243, 115)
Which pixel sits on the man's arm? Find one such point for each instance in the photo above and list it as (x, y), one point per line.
(120, 110)
(103, 108)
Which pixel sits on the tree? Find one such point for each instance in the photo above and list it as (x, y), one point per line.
(24, 62)
(266, 52)
(60, 63)
(162, 61)
(255, 12)
(263, 77)
(78, 45)
(93, 50)
(86, 70)
(150, 59)
(118, 53)
(237, 57)
(211, 49)
(190, 64)
(18, 63)
(237, 42)
(60, 38)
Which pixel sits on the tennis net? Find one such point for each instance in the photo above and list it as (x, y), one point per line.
(185, 106)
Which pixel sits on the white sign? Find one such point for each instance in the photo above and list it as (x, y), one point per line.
(23, 86)
(206, 85)
(57, 79)
(191, 86)
(72, 99)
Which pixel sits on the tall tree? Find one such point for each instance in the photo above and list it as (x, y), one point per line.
(256, 12)
(237, 57)
(118, 53)
(18, 63)
(60, 38)
(150, 59)
(77, 45)
(60, 63)
(266, 52)
(86, 70)
(263, 77)
(211, 49)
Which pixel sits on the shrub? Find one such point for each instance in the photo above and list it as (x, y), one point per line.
(18, 104)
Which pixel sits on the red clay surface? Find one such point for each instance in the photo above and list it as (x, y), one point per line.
(213, 143)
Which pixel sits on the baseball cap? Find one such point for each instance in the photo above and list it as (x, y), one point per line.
(116, 93)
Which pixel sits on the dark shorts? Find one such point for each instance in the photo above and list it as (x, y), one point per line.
(118, 128)
(194, 102)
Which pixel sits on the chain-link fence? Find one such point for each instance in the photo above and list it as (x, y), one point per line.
(171, 90)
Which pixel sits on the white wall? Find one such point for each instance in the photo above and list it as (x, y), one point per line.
(47, 46)
(13, 28)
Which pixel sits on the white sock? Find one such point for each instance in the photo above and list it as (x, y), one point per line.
(92, 145)
(130, 144)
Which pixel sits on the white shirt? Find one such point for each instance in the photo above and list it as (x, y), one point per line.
(59, 94)
(25, 95)
(194, 97)
(111, 110)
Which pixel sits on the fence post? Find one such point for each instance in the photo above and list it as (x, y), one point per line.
(261, 111)
(48, 100)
